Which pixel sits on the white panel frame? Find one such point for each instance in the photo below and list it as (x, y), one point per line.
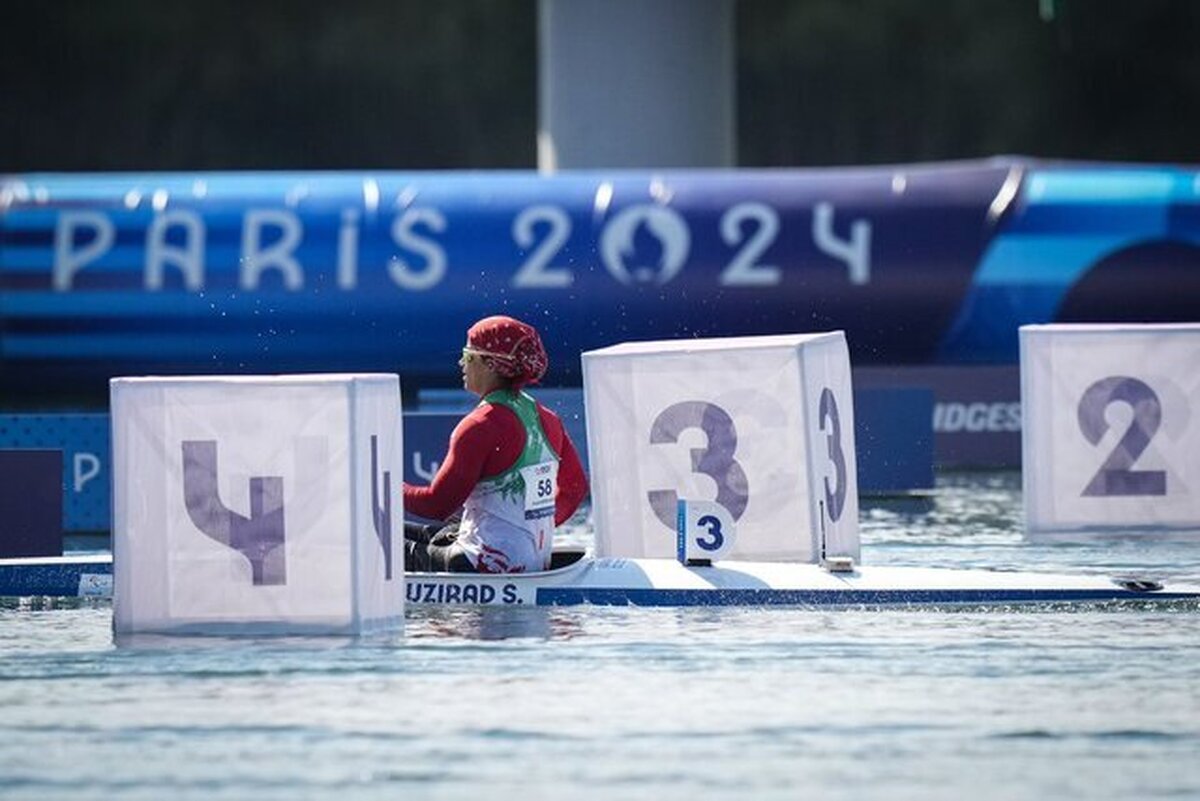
(1060, 364)
(142, 562)
(813, 355)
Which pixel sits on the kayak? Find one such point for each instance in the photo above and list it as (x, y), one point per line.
(577, 577)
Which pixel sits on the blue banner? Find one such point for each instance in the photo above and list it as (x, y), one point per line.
(85, 465)
(120, 274)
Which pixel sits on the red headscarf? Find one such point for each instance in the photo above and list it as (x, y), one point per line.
(511, 348)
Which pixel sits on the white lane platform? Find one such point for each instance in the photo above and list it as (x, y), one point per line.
(666, 582)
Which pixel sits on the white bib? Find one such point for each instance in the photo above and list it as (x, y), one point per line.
(541, 488)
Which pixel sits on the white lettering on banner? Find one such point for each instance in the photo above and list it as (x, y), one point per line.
(641, 244)
(535, 272)
(86, 467)
(619, 244)
(347, 264)
(188, 259)
(855, 251)
(1000, 416)
(435, 257)
(68, 260)
(744, 269)
(424, 473)
(256, 259)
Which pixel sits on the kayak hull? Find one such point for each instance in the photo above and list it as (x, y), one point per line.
(664, 582)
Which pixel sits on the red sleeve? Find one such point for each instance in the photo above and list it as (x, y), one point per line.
(572, 482)
(485, 443)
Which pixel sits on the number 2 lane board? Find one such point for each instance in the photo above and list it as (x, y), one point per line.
(1111, 426)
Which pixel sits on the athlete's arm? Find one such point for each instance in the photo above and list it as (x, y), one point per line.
(572, 482)
(483, 444)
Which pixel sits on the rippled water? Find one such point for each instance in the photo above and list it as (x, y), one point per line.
(1090, 702)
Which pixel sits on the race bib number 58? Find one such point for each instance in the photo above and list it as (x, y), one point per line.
(541, 487)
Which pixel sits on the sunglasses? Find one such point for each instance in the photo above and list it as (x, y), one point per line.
(470, 354)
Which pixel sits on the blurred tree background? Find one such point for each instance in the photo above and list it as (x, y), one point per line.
(389, 84)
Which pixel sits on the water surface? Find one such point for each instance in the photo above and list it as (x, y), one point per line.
(1098, 701)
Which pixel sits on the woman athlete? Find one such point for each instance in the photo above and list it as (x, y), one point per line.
(511, 467)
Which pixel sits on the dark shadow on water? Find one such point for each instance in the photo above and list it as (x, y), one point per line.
(901, 504)
(253, 642)
(491, 623)
(1122, 536)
